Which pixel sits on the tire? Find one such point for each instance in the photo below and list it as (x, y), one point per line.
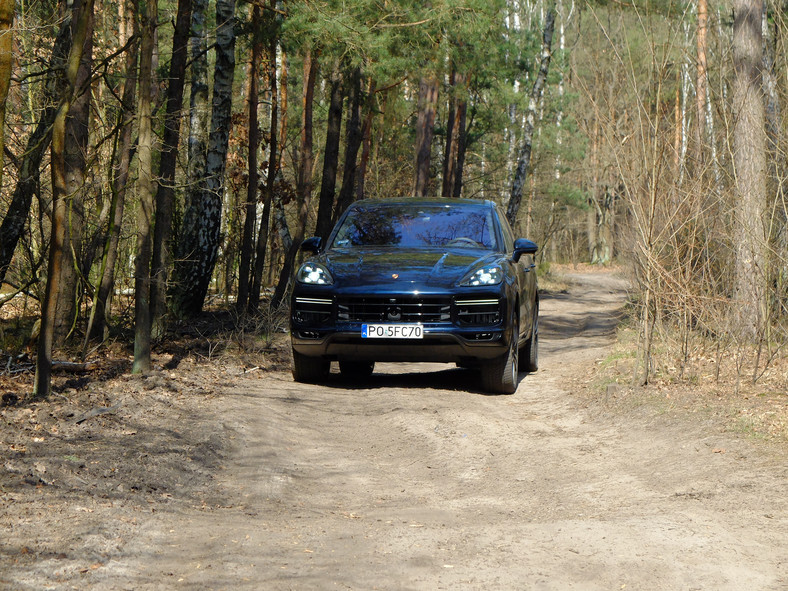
(529, 354)
(309, 370)
(356, 369)
(499, 376)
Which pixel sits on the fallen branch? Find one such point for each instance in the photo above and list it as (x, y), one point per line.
(99, 410)
(73, 367)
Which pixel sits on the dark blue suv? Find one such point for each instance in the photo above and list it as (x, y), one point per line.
(417, 280)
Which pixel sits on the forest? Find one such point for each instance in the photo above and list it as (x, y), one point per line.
(165, 158)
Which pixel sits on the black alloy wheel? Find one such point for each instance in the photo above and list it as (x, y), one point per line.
(309, 370)
(500, 375)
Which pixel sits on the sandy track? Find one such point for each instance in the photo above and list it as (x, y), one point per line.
(414, 479)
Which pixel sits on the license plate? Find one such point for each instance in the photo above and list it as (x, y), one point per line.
(392, 331)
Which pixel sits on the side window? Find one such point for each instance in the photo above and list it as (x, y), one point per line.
(506, 231)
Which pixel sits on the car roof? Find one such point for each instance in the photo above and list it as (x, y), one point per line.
(425, 201)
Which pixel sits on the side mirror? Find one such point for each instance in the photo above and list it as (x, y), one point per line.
(312, 244)
(523, 246)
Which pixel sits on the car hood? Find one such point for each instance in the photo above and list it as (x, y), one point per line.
(429, 267)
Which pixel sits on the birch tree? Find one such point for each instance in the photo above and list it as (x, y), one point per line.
(199, 243)
(524, 159)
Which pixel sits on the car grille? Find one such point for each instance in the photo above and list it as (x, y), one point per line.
(313, 310)
(393, 309)
(478, 312)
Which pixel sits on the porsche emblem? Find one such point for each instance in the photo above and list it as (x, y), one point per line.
(395, 276)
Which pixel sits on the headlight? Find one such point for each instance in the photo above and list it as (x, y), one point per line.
(490, 275)
(314, 274)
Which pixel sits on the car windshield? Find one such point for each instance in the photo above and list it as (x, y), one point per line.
(417, 226)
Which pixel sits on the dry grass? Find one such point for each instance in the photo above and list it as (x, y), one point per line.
(708, 383)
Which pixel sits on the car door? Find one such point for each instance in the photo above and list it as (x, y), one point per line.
(526, 278)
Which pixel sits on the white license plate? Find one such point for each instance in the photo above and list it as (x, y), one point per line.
(392, 331)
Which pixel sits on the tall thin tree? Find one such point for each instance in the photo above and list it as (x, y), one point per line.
(353, 139)
(303, 175)
(524, 159)
(749, 159)
(121, 165)
(328, 181)
(75, 156)
(165, 191)
(250, 207)
(43, 378)
(6, 63)
(263, 235)
(142, 279)
(425, 129)
(199, 243)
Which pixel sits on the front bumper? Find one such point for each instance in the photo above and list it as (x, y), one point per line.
(439, 344)
(458, 327)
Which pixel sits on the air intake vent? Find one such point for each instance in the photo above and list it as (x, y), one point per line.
(313, 311)
(478, 312)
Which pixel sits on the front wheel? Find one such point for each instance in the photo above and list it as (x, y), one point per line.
(309, 370)
(500, 375)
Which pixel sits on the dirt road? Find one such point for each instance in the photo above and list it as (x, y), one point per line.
(411, 481)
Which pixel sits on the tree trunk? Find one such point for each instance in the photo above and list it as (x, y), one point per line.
(202, 223)
(165, 192)
(306, 159)
(366, 144)
(121, 164)
(449, 158)
(74, 162)
(282, 107)
(250, 207)
(702, 78)
(43, 378)
(524, 161)
(198, 107)
(330, 157)
(142, 279)
(18, 212)
(778, 184)
(428, 100)
(749, 157)
(273, 158)
(352, 144)
(186, 250)
(462, 147)
(6, 65)
(303, 176)
(455, 140)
